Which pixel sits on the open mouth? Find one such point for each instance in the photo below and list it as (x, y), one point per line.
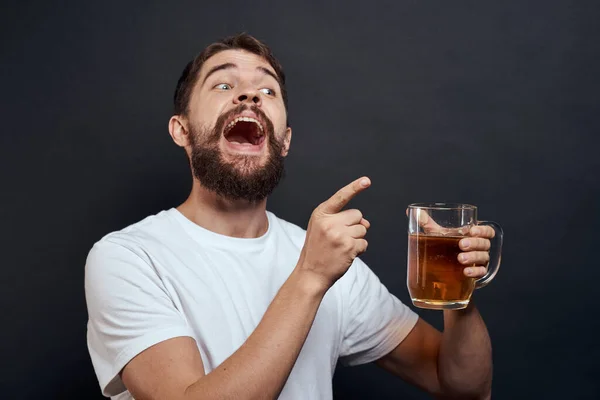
(246, 131)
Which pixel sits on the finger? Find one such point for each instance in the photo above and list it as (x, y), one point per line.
(474, 258)
(427, 223)
(483, 231)
(474, 244)
(336, 202)
(350, 217)
(357, 231)
(475, 272)
(365, 223)
(360, 246)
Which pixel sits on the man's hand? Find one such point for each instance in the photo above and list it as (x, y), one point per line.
(334, 238)
(475, 248)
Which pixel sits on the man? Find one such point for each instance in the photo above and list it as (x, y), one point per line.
(220, 299)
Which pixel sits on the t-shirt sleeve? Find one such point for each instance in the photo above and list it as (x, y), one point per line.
(375, 321)
(129, 310)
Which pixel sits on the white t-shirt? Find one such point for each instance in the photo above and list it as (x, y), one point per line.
(165, 277)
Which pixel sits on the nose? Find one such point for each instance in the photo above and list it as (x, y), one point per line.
(248, 95)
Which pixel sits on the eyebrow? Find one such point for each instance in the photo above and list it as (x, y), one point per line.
(226, 66)
(218, 68)
(267, 71)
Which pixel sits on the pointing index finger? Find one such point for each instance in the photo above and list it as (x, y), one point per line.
(336, 202)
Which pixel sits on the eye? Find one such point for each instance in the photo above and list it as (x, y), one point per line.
(267, 91)
(223, 86)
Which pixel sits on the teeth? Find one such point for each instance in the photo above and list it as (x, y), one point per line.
(245, 119)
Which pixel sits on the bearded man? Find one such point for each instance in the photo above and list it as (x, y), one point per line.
(220, 299)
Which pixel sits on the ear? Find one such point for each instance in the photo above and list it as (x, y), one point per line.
(287, 139)
(178, 130)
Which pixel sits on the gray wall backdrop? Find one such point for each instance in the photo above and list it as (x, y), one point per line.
(491, 103)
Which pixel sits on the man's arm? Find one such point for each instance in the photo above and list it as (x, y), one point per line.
(457, 363)
(173, 369)
(454, 364)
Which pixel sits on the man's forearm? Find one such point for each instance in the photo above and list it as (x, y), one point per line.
(261, 366)
(465, 356)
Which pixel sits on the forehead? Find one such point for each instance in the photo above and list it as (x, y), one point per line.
(244, 60)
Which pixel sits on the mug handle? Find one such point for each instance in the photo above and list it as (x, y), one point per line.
(495, 255)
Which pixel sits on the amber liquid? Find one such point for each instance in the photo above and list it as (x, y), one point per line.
(435, 276)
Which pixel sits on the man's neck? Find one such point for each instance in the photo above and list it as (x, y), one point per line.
(238, 218)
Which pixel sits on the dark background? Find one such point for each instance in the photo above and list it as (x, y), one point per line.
(491, 103)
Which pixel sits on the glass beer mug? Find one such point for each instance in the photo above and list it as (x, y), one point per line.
(436, 278)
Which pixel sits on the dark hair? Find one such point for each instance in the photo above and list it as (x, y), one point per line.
(242, 41)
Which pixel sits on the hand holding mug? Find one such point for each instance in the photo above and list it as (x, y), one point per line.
(448, 252)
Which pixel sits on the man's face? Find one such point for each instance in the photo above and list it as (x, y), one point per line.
(238, 135)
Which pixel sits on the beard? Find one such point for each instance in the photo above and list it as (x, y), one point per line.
(241, 178)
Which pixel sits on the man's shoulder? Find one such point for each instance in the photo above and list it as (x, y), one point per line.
(152, 230)
(125, 254)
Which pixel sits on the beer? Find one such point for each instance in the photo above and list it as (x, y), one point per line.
(435, 276)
